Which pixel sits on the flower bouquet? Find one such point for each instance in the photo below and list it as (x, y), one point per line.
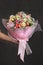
(21, 27)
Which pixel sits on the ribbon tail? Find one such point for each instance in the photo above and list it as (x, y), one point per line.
(28, 49)
(21, 49)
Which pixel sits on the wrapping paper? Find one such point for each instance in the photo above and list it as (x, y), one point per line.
(23, 35)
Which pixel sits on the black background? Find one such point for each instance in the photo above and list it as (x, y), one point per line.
(8, 51)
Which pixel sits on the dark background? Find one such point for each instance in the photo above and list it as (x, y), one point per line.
(8, 51)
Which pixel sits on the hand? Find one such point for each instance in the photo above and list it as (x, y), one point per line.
(6, 37)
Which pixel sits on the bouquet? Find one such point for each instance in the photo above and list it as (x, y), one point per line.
(21, 27)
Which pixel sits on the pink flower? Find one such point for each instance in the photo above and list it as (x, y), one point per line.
(28, 16)
(10, 24)
(17, 21)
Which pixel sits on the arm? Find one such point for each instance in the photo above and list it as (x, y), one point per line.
(6, 37)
